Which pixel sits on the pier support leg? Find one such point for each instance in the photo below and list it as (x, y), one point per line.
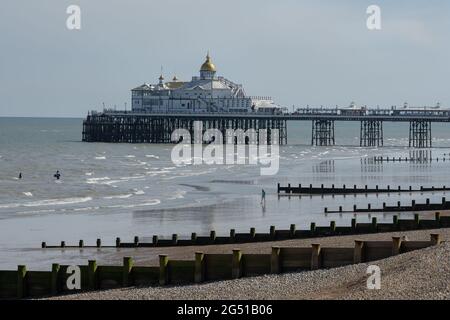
(322, 133)
(371, 133)
(420, 134)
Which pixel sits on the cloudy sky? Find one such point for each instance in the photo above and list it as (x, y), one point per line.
(299, 52)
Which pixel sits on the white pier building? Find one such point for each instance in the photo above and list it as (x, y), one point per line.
(204, 93)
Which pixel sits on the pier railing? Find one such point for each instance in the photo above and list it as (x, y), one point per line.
(22, 283)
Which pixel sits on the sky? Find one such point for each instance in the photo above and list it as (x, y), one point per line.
(298, 52)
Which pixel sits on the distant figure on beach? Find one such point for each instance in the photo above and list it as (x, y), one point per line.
(20, 175)
(57, 175)
(263, 197)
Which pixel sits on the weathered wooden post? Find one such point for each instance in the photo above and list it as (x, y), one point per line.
(396, 245)
(354, 208)
(54, 279)
(313, 228)
(374, 224)
(163, 269)
(416, 220)
(435, 239)
(292, 231)
(275, 263)
(232, 235)
(437, 217)
(212, 236)
(174, 239)
(353, 224)
(315, 256)
(92, 274)
(236, 264)
(21, 281)
(358, 253)
(278, 188)
(252, 233)
(333, 226)
(127, 267)
(272, 232)
(340, 208)
(199, 273)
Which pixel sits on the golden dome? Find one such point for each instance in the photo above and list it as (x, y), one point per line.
(208, 65)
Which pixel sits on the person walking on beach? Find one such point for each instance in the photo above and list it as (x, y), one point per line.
(263, 197)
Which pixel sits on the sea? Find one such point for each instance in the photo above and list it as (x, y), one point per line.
(126, 190)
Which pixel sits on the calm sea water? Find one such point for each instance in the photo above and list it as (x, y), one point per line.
(122, 190)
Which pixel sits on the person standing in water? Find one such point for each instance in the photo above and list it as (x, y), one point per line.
(263, 197)
(20, 175)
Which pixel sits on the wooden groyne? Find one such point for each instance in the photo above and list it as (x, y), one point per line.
(273, 234)
(310, 189)
(427, 206)
(22, 283)
(406, 159)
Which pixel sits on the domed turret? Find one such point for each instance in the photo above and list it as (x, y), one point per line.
(208, 69)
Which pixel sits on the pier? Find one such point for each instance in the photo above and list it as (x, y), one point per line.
(122, 126)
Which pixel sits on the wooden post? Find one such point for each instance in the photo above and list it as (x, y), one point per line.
(416, 220)
(437, 217)
(312, 228)
(54, 279)
(354, 208)
(163, 269)
(117, 242)
(127, 267)
(232, 235)
(395, 220)
(275, 263)
(374, 224)
(333, 226)
(396, 245)
(81, 244)
(353, 224)
(272, 232)
(435, 239)
(292, 231)
(92, 274)
(252, 233)
(212, 236)
(174, 239)
(236, 264)
(199, 273)
(358, 253)
(21, 281)
(315, 256)
(99, 243)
